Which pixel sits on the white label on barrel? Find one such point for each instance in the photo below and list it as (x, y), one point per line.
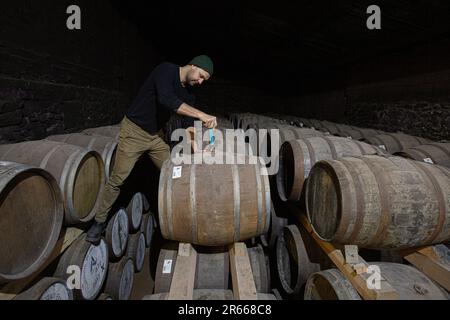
(120, 233)
(177, 172)
(95, 265)
(167, 267)
(428, 160)
(126, 281)
(57, 291)
(382, 146)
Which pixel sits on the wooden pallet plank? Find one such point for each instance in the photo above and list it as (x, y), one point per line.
(359, 281)
(244, 287)
(433, 262)
(66, 238)
(182, 286)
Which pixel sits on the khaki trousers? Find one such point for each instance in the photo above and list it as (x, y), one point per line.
(133, 143)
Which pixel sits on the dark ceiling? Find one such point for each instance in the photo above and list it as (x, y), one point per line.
(276, 42)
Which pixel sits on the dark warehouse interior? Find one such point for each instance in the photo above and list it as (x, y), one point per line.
(315, 59)
(224, 150)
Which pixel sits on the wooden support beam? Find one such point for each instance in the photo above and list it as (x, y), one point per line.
(183, 280)
(66, 238)
(244, 287)
(359, 281)
(434, 262)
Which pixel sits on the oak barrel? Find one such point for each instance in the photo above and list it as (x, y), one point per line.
(213, 269)
(213, 205)
(379, 202)
(31, 217)
(408, 282)
(292, 260)
(119, 282)
(87, 263)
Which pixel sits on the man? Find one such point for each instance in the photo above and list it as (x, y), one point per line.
(165, 91)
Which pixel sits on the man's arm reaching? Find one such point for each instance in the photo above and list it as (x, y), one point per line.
(186, 110)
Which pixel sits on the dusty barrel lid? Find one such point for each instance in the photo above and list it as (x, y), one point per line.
(120, 279)
(47, 289)
(136, 250)
(148, 227)
(135, 211)
(89, 262)
(117, 234)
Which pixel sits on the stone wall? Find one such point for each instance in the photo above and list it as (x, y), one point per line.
(54, 80)
(406, 91)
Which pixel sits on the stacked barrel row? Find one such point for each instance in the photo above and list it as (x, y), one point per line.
(46, 186)
(355, 191)
(104, 271)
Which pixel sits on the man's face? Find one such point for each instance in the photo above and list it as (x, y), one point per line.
(196, 76)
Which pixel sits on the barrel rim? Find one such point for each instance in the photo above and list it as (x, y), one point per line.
(294, 194)
(109, 233)
(70, 185)
(327, 274)
(328, 167)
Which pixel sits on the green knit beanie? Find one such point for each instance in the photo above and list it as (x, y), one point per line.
(204, 62)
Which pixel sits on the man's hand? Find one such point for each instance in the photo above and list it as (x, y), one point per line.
(210, 122)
